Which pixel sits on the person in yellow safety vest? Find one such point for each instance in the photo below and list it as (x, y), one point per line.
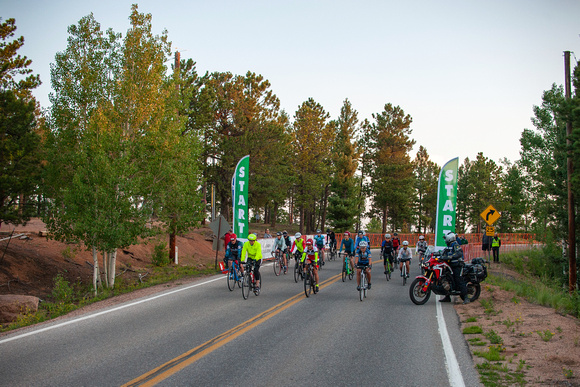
(253, 250)
(495, 245)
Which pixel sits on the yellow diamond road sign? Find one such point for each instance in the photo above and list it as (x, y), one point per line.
(490, 215)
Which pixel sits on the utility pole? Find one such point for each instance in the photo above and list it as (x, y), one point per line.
(570, 170)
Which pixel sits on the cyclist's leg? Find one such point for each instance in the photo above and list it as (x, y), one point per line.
(257, 272)
(315, 272)
(401, 267)
(408, 263)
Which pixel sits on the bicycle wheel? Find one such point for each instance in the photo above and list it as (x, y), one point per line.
(362, 286)
(231, 278)
(277, 265)
(296, 272)
(343, 271)
(307, 288)
(351, 271)
(246, 285)
(404, 273)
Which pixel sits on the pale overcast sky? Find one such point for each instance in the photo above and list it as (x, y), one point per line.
(467, 72)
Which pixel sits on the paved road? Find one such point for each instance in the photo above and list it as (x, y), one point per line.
(203, 334)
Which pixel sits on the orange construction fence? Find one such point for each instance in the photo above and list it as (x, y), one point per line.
(509, 241)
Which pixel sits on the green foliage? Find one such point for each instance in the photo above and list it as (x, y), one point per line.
(345, 199)
(14, 72)
(19, 157)
(386, 158)
(492, 354)
(471, 330)
(160, 255)
(493, 337)
(478, 186)
(62, 292)
(426, 180)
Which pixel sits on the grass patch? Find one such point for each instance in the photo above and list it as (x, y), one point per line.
(472, 330)
(493, 337)
(471, 319)
(545, 335)
(476, 341)
(492, 354)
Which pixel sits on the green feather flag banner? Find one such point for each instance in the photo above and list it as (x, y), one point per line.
(446, 202)
(240, 197)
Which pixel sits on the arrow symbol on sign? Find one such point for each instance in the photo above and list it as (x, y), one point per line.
(491, 212)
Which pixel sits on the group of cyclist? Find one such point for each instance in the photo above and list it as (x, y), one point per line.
(311, 251)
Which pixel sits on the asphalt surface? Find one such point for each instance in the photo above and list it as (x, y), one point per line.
(203, 334)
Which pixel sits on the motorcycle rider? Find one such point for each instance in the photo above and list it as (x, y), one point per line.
(454, 255)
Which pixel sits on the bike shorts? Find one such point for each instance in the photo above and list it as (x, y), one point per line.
(404, 259)
(363, 263)
(387, 257)
(308, 262)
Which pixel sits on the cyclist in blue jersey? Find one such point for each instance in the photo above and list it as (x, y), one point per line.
(361, 237)
(348, 244)
(363, 258)
(233, 249)
(319, 241)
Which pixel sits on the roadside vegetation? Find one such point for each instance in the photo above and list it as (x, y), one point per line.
(495, 336)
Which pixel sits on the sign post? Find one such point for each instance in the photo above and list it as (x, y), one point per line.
(219, 227)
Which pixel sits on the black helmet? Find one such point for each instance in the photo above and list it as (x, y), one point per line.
(278, 233)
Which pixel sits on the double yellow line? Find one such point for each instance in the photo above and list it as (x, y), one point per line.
(175, 365)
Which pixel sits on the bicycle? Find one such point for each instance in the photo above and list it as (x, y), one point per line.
(298, 272)
(234, 275)
(363, 282)
(331, 252)
(347, 270)
(389, 270)
(404, 271)
(309, 283)
(277, 264)
(249, 281)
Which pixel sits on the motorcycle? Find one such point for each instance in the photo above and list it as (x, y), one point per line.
(438, 278)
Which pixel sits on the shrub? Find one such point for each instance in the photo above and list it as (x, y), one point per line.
(160, 255)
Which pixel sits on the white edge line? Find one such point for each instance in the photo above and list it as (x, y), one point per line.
(451, 364)
(87, 317)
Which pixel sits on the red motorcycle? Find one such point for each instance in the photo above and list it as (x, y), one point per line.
(438, 278)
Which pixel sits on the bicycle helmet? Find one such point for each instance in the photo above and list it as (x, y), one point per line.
(278, 233)
(309, 242)
(252, 237)
(284, 232)
(421, 237)
(405, 243)
(297, 235)
(360, 232)
(395, 234)
(450, 237)
(318, 231)
(233, 236)
(347, 233)
(327, 230)
(387, 235)
(362, 244)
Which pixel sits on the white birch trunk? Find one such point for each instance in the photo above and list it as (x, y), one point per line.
(106, 268)
(96, 272)
(112, 264)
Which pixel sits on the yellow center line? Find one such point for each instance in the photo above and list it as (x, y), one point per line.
(175, 365)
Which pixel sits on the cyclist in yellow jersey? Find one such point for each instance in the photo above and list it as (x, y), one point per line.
(310, 257)
(253, 250)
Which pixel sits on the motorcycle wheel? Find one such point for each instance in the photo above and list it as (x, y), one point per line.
(418, 296)
(473, 291)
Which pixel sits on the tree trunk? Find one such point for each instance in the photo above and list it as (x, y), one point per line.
(172, 244)
(96, 272)
(302, 219)
(112, 264)
(106, 268)
(274, 214)
(384, 220)
(324, 204)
